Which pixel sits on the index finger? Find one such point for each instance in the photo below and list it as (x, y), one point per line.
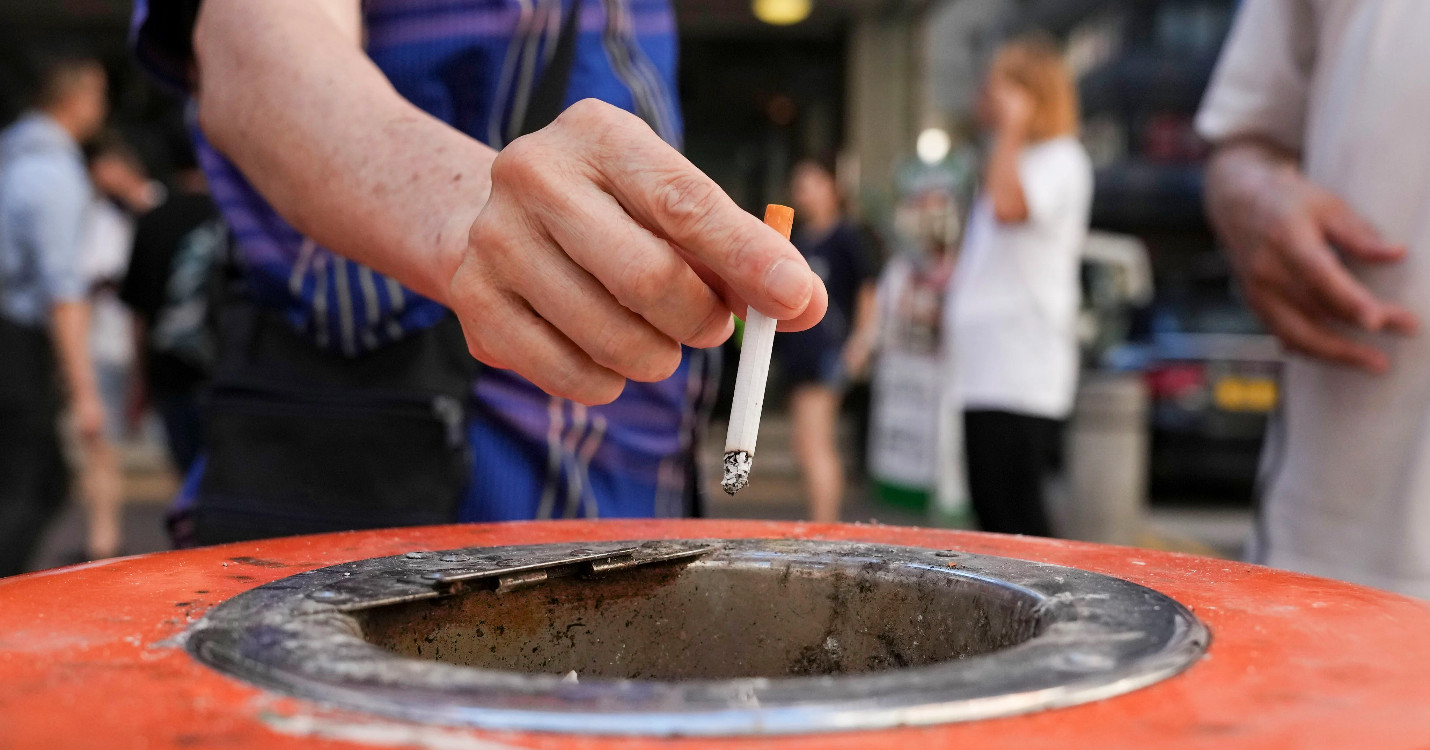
(662, 190)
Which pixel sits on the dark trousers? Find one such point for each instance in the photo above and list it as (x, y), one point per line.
(33, 475)
(1009, 458)
(183, 421)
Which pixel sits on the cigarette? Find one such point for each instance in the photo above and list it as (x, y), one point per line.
(755, 349)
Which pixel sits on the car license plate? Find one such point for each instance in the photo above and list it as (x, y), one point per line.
(1245, 394)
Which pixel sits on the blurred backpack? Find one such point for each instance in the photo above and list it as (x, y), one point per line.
(185, 325)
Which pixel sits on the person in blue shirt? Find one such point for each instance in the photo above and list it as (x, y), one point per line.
(44, 316)
(391, 165)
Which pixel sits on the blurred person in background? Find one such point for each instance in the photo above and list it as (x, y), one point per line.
(44, 308)
(176, 263)
(1319, 186)
(821, 361)
(1015, 291)
(915, 443)
(412, 185)
(122, 191)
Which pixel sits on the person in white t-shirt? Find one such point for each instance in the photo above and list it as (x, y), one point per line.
(123, 190)
(1015, 289)
(1319, 186)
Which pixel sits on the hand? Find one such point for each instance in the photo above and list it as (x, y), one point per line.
(601, 250)
(1012, 107)
(89, 419)
(856, 359)
(1282, 232)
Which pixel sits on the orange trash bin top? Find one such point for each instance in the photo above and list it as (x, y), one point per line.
(88, 654)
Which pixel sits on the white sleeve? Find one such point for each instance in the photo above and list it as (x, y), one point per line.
(1263, 78)
(1053, 181)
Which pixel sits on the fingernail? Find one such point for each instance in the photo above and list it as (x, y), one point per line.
(788, 283)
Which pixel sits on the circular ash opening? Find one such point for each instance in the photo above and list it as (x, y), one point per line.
(740, 618)
(707, 637)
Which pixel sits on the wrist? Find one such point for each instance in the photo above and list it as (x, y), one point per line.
(453, 237)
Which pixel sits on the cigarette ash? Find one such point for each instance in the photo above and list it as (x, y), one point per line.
(737, 471)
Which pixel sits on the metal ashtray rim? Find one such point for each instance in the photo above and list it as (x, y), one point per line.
(1098, 637)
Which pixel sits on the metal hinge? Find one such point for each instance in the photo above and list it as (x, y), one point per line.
(498, 575)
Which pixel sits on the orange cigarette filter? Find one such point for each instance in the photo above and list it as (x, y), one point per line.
(780, 218)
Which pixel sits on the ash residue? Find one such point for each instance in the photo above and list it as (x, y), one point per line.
(737, 471)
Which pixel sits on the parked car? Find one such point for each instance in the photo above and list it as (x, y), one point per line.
(1212, 374)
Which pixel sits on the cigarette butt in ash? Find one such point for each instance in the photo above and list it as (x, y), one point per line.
(750, 379)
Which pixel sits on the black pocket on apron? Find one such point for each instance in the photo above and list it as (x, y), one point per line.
(303, 441)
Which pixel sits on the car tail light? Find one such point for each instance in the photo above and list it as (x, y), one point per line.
(1175, 382)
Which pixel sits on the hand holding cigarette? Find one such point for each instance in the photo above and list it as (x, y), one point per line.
(601, 250)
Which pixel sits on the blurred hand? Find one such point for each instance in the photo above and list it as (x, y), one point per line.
(89, 419)
(856, 357)
(1012, 106)
(1282, 233)
(601, 250)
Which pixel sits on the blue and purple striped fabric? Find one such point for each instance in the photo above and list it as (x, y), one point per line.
(472, 64)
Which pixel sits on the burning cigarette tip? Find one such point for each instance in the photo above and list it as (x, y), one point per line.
(737, 471)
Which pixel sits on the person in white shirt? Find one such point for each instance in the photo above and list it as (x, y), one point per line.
(1015, 290)
(1319, 186)
(123, 191)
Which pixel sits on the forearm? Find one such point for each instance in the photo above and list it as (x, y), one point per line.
(866, 316)
(69, 328)
(1004, 187)
(287, 94)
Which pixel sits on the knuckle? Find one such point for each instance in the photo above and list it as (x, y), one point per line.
(615, 346)
(584, 381)
(477, 346)
(535, 176)
(490, 246)
(647, 279)
(634, 353)
(465, 283)
(597, 121)
(684, 200)
(568, 377)
(517, 160)
(479, 351)
(485, 231)
(480, 307)
(584, 112)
